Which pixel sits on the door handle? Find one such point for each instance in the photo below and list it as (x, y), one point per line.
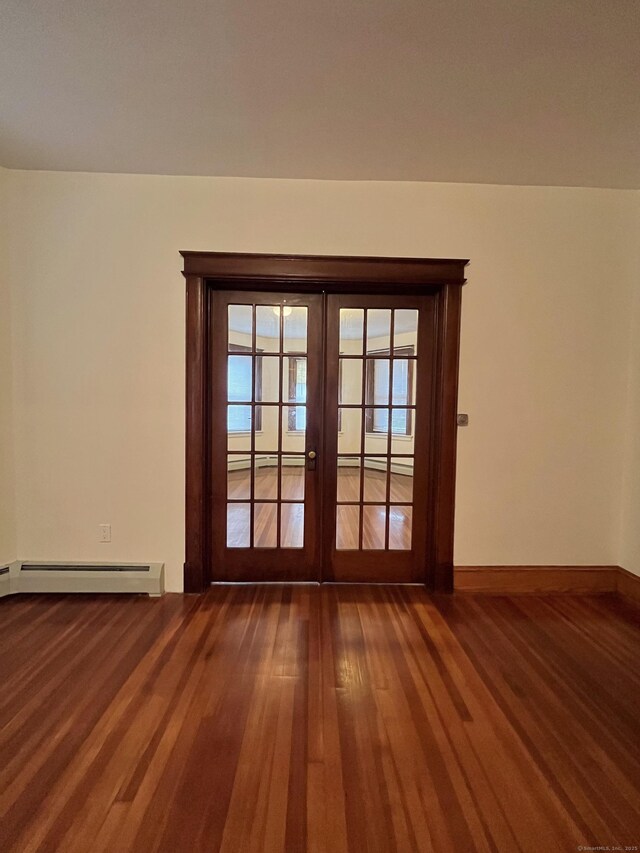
(311, 460)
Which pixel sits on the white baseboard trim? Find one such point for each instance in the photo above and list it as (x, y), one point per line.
(7, 572)
(39, 576)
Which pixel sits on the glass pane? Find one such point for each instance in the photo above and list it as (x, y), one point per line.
(378, 329)
(292, 525)
(375, 479)
(239, 377)
(402, 387)
(406, 329)
(350, 381)
(238, 477)
(374, 520)
(239, 427)
(294, 425)
(294, 379)
(238, 525)
(265, 525)
(402, 480)
(267, 428)
(400, 519)
(350, 430)
(402, 444)
(267, 387)
(377, 389)
(295, 329)
(240, 325)
(348, 479)
(351, 331)
(378, 420)
(402, 424)
(268, 328)
(347, 527)
(376, 439)
(292, 475)
(265, 477)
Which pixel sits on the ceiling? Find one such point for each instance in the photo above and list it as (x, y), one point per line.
(502, 91)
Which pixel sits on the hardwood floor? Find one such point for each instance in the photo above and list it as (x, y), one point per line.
(335, 719)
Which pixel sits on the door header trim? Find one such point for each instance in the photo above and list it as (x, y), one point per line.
(336, 269)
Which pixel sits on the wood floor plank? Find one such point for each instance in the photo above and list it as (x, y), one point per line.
(307, 719)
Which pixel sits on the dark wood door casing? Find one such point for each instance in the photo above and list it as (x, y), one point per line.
(206, 272)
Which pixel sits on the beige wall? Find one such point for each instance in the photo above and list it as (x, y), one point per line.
(630, 515)
(7, 480)
(99, 359)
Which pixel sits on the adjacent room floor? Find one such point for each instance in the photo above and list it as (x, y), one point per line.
(314, 718)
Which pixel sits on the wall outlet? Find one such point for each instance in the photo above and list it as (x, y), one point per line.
(105, 533)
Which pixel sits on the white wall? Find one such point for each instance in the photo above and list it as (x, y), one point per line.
(98, 305)
(7, 480)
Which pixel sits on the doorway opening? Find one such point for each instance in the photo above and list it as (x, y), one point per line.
(321, 417)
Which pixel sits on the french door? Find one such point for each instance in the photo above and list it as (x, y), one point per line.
(320, 435)
(266, 387)
(378, 383)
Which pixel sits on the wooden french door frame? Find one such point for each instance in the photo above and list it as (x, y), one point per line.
(206, 272)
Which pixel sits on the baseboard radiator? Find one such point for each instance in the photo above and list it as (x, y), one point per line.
(31, 576)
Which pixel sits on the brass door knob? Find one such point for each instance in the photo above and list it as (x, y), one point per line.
(311, 454)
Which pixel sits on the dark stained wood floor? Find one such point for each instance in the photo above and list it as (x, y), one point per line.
(334, 719)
